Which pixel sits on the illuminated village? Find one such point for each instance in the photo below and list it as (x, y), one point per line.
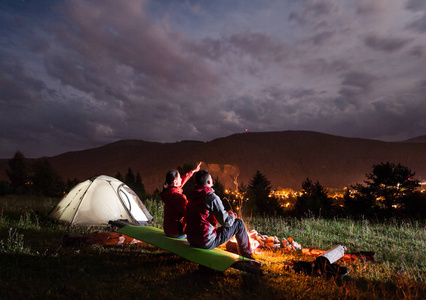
(288, 197)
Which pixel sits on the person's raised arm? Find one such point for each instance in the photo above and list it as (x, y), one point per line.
(197, 168)
(188, 175)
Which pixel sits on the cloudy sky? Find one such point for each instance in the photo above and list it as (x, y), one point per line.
(81, 74)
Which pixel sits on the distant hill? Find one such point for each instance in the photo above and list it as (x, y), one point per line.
(286, 158)
(419, 139)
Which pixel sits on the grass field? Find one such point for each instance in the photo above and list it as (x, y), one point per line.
(36, 265)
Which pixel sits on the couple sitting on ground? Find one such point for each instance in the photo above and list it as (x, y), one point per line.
(197, 217)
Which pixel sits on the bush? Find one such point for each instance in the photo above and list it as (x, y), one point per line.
(5, 188)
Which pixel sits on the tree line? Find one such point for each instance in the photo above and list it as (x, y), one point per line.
(389, 190)
(35, 177)
(38, 177)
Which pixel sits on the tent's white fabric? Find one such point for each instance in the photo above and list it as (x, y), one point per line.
(99, 200)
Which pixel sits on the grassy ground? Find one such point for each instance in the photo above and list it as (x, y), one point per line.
(35, 264)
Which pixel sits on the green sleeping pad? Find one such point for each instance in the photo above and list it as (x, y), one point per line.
(215, 259)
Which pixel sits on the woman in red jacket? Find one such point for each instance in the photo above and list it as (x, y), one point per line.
(175, 203)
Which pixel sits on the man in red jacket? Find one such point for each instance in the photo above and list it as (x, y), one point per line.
(175, 202)
(204, 211)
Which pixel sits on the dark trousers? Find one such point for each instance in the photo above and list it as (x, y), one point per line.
(238, 229)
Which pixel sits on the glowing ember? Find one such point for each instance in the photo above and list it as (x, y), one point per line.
(253, 241)
(258, 241)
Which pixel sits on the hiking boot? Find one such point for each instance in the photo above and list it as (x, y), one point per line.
(253, 262)
(249, 256)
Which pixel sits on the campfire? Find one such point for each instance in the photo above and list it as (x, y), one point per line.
(259, 241)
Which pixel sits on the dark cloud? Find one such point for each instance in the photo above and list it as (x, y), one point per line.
(259, 47)
(367, 9)
(134, 69)
(355, 85)
(416, 5)
(385, 44)
(111, 36)
(322, 37)
(417, 51)
(361, 81)
(311, 10)
(274, 108)
(301, 93)
(323, 66)
(259, 109)
(419, 25)
(318, 8)
(18, 89)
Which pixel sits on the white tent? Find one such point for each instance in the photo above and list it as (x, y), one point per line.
(99, 200)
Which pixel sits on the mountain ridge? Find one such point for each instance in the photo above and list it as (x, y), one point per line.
(419, 139)
(286, 158)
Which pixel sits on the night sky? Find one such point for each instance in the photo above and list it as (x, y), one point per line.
(81, 74)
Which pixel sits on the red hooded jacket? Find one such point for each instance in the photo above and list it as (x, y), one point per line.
(175, 208)
(204, 211)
